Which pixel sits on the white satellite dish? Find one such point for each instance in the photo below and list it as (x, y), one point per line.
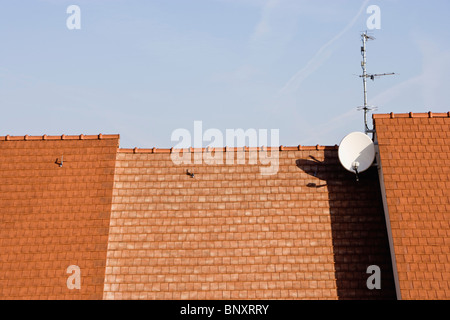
(356, 152)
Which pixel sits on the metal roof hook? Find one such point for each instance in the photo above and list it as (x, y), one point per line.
(191, 174)
(60, 163)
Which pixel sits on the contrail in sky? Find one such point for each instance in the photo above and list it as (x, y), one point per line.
(320, 57)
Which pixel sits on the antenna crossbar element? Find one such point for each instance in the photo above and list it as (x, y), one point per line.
(373, 76)
(368, 108)
(367, 36)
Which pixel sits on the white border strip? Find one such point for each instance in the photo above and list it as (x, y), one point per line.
(388, 221)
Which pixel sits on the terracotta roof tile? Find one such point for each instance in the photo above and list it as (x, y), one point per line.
(231, 233)
(141, 228)
(247, 149)
(411, 115)
(52, 217)
(414, 158)
(62, 137)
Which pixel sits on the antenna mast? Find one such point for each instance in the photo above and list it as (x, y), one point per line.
(366, 108)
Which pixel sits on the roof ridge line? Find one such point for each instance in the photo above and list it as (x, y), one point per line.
(393, 115)
(225, 149)
(61, 137)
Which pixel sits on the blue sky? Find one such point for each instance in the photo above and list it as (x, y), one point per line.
(144, 68)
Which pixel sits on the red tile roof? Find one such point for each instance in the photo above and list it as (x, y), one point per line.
(414, 151)
(308, 232)
(62, 137)
(139, 227)
(52, 217)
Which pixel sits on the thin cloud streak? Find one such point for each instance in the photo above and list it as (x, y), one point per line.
(424, 88)
(340, 121)
(262, 28)
(320, 57)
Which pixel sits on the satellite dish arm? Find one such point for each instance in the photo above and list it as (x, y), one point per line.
(355, 168)
(357, 175)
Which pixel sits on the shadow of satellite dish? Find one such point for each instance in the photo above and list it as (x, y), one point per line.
(316, 168)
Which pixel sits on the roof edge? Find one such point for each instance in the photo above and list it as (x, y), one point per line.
(393, 115)
(228, 149)
(62, 137)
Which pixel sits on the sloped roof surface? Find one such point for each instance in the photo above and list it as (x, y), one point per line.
(415, 159)
(308, 232)
(139, 227)
(52, 217)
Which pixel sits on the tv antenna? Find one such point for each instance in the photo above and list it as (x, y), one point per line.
(366, 108)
